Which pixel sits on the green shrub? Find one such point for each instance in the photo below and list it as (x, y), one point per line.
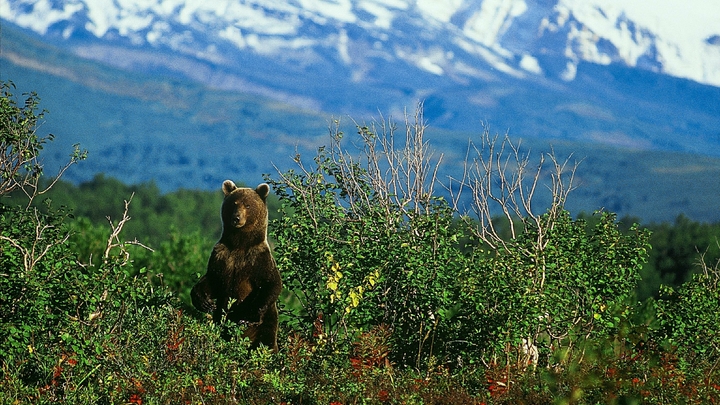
(355, 256)
(689, 317)
(74, 333)
(528, 299)
(364, 244)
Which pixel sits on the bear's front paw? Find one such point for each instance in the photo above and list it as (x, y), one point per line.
(203, 304)
(208, 306)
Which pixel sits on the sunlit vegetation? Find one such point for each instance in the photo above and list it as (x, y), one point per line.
(392, 294)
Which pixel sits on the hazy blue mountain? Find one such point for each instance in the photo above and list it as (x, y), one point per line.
(153, 90)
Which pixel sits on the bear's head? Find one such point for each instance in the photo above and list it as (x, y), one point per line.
(244, 210)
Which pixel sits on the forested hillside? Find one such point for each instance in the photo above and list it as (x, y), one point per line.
(392, 294)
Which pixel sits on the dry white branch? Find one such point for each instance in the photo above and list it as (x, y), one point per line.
(503, 186)
(383, 171)
(38, 249)
(400, 175)
(114, 238)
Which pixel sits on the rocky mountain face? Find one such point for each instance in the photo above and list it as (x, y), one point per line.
(440, 43)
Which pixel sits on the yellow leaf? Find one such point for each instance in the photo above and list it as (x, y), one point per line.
(373, 278)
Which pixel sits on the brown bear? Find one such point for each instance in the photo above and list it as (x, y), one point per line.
(241, 268)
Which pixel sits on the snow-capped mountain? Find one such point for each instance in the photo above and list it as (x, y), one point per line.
(458, 39)
(621, 82)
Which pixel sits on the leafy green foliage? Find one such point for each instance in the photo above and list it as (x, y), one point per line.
(577, 285)
(33, 263)
(20, 146)
(355, 259)
(78, 334)
(690, 316)
(389, 299)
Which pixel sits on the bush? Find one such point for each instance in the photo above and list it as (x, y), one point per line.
(525, 301)
(97, 334)
(356, 257)
(364, 243)
(689, 317)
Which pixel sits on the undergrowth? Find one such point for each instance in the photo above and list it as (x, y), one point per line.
(392, 295)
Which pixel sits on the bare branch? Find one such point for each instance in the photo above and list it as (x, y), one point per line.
(503, 186)
(114, 238)
(384, 171)
(34, 253)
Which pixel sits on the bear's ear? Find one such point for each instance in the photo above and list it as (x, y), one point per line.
(228, 187)
(263, 190)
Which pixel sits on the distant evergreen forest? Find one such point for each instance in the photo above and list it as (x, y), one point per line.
(162, 219)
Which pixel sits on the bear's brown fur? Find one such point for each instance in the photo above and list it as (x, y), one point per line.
(241, 267)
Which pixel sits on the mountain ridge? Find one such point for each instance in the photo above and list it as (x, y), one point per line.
(142, 110)
(509, 35)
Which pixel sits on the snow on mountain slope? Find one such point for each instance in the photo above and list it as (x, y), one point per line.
(675, 37)
(668, 36)
(492, 20)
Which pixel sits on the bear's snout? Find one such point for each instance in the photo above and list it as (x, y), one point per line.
(238, 221)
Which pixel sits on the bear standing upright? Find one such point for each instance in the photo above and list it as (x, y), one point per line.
(241, 267)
